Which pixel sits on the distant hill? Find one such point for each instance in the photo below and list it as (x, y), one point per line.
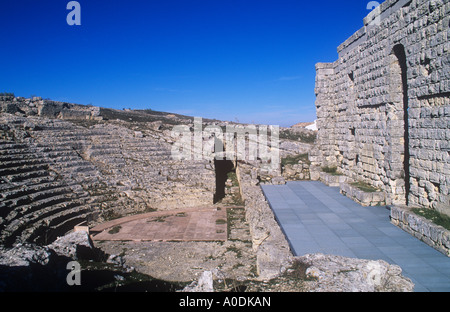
(303, 124)
(306, 125)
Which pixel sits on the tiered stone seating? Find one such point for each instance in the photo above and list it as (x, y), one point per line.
(31, 193)
(55, 174)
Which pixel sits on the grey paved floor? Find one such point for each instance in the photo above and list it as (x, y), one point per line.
(317, 218)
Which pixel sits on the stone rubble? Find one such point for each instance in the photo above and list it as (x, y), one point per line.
(204, 284)
(433, 235)
(330, 273)
(269, 243)
(30, 267)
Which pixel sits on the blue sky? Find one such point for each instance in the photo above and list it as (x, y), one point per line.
(251, 61)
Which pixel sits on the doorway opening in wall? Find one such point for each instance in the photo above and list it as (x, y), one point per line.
(352, 79)
(222, 169)
(399, 52)
(350, 75)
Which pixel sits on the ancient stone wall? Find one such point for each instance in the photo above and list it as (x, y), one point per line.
(433, 235)
(36, 106)
(384, 106)
(272, 250)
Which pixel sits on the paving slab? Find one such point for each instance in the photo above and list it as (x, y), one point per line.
(196, 224)
(317, 219)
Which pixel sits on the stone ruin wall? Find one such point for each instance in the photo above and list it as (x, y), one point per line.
(36, 106)
(384, 106)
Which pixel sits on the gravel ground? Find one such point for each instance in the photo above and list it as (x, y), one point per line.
(186, 261)
(233, 262)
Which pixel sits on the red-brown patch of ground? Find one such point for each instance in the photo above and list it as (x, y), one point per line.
(193, 224)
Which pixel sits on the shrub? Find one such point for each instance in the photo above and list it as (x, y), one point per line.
(292, 160)
(365, 187)
(305, 137)
(331, 170)
(298, 271)
(115, 229)
(434, 216)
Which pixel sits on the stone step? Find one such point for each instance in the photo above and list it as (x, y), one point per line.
(8, 164)
(19, 170)
(105, 196)
(11, 154)
(54, 127)
(30, 156)
(147, 147)
(55, 124)
(102, 136)
(31, 190)
(38, 226)
(27, 190)
(67, 158)
(105, 145)
(7, 187)
(42, 210)
(106, 152)
(66, 135)
(36, 196)
(66, 224)
(58, 151)
(6, 142)
(146, 155)
(8, 145)
(54, 147)
(110, 160)
(27, 176)
(37, 207)
(75, 165)
(61, 218)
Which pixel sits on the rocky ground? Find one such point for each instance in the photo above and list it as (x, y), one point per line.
(34, 268)
(107, 160)
(232, 266)
(186, 261)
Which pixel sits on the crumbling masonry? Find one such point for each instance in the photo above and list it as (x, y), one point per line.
(383, 107)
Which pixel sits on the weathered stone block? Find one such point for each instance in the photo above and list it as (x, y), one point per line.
(421, 228)
(364, 198)
(332, 180)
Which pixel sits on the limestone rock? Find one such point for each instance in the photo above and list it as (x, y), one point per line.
(115, 259)
(269, 243)
(24, 255)
(204, 284)
(76, 245)
(341, 274)
(278, 181)
(28, 267)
